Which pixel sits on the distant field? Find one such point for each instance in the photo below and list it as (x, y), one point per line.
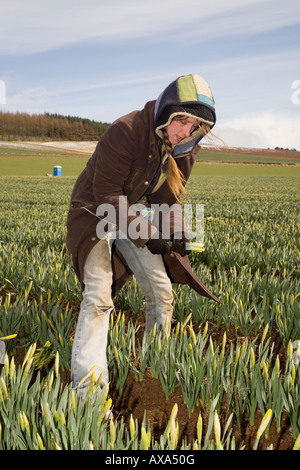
(36, 166)
(35, 160)
(31, 164)
(223, 169)
(13, 151)
(234, 157)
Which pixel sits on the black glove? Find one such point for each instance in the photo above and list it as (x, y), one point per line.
(158, 246)
(179, 241)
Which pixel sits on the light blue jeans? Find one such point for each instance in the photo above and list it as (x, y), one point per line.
(90, 342)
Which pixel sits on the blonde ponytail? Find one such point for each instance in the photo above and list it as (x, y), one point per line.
(175, 178)
(174, 175)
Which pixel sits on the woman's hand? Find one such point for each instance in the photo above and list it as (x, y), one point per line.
(179, 241)
(158, 246)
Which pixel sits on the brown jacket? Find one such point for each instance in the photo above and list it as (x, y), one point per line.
(124, 163)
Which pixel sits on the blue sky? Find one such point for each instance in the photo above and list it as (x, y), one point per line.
(100, 60)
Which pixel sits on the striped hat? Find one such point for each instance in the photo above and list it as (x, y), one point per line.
(188, 95)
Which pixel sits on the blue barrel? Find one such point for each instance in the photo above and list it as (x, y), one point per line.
(57, 170)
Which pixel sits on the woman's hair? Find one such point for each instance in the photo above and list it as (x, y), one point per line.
(175, 178)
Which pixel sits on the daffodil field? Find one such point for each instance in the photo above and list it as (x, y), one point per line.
(250, 262)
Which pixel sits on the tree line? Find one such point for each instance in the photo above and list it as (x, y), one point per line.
(24, 126)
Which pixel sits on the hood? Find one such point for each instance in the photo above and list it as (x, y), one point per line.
(187, 95)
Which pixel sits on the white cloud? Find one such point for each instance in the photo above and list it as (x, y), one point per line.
(264, 130)
(31, 100)
(34, 26)
(251, 19)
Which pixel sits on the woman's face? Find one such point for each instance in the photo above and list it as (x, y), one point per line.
(179, 128)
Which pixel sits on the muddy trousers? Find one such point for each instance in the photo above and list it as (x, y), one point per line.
(90, 342)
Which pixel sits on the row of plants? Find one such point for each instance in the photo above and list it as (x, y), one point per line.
(246, 374)
(250, 261)
(41, 413)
